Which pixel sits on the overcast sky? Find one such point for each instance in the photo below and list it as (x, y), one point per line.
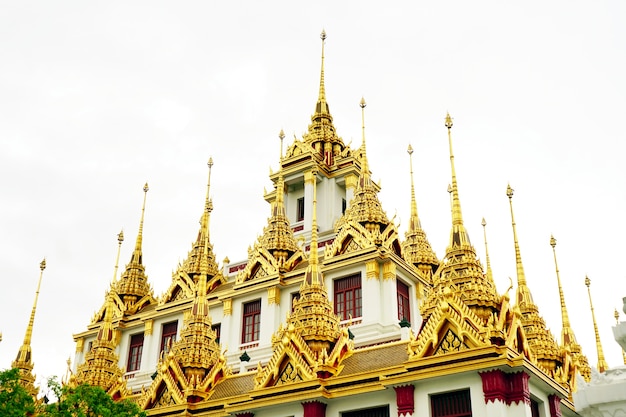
(98, 97)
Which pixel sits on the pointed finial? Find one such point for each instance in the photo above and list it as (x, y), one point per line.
(208, 208)
(322, 93)
(489, 272)
(567, 334)
(281, 135)
(459, 234)
(23, 355)
(362, 104)
(521, 277)
(448, 122)
(602, 365)
(143, 211)
(120, 239)
(414, 222)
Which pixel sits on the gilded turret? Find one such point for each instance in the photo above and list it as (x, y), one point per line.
(321, 134)
(101, 366)
(568, 339)
(133, 288)
(540, 340)
(460, 269)
(24, 361)
(602, 365)
(200, 253)
(416, 249)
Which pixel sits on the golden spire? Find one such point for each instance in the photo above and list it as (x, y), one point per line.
(458, 235)
(524, 297)
(133, 284)
(101, 366)
(313, 275)
(120, 239)
(616, 315)
(489, 273)
(321, 99)
(201, 254)
(24, 360)
(602, 365)
(416, 249)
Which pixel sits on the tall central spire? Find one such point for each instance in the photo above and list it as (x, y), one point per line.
(523, 293)
(458, 235)
(24, 360)
(602, 365)
(322, 106)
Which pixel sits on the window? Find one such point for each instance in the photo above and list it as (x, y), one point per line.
(343, 206)
(404, 308)
(217, 328)
(300, 212)
(451, 404)
(348, 297)
(294, 297)
(534, 408)
(134, 353)
(370, 412)
(168, 336)
(251, 321)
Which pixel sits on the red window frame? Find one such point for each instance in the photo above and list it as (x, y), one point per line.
(348, 297)
(404, 305)
(134, 352)
(217, 328)
(251, 323)
(168, 336)
(451, 404)
(300, 209)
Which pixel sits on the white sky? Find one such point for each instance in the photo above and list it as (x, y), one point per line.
(98, 97)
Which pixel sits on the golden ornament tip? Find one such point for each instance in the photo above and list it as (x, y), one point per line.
(587, 281)
(483, 223)
(210, 163)
(509, 191)
(616, 315)
(552, 241)
(448, 123)
(42, 265)
(362, 103)
(323, 35)
(120, 236)
(281, 135)
(449, 188)
(145, 188)
(410, 150)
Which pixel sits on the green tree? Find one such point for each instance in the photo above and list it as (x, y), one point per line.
(87, 401)
(14, 399)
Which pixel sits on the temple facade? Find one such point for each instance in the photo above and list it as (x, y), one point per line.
(333, 313)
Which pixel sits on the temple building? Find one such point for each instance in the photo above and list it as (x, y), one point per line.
(334, 312)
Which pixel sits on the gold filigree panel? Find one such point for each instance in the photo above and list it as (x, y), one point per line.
(450, 343)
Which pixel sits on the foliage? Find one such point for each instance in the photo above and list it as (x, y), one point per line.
(80, 401)
(15, 401)
(87, 401)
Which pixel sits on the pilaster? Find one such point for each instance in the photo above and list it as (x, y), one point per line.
(314, 409)
(405, 400)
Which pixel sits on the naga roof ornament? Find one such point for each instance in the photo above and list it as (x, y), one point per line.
(133, 288)
(364, 222)
(416, 249)
(185, 279)
(322, 135)
(312, 344)
(276, 250)
(540, 339)
(568, 338)
(24, 361)
(195, 363)
(460, 268)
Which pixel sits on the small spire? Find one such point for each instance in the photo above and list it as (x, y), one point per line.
(24, 360)
(365, 177)
(120, 239)
(208, 204)
(489, 272)
(137, 255)
(322, 93)
(414, 223)
(521, 277)
(602, 365)
(313, 273)
(567, 333)
(459, 236)
(281, 135)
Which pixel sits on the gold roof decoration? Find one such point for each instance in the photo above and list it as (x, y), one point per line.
(116, 305)
(133, 288)
(568, 339)
(322, 135)
(24, 360)
(541, 341)
(312, 344)
(101, 366)
(195, 363)
(416, 249)
(487, 261)
(460, 268)
(602, 365)
(185, 279)
(364, 223)
(276, 250)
